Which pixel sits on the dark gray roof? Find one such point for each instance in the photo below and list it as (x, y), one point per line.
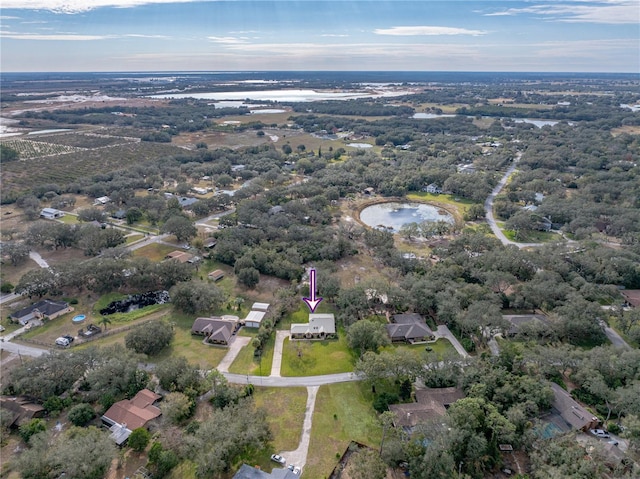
(47, 307)
(408, 326)
(249, 472)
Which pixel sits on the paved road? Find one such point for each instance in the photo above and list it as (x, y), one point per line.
(444, 332)
(237, 344)
(38, 259)
(276, 365)
(614, 337)
(299, 456)
(21, 349)
(488, 208)
(7, 298)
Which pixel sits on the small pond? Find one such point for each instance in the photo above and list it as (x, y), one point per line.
(393, 215)
(136, 301)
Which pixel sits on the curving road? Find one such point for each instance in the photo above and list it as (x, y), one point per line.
(488, 208)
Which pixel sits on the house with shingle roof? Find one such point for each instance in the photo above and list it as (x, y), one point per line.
(216, 330)
(409, 328)
(129, 414)
(320, 326)
(45, 309)
(431, 405)
(571, 411)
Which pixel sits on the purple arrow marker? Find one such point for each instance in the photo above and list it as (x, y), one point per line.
(313, 301)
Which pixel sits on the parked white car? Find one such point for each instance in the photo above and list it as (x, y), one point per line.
(601, 433)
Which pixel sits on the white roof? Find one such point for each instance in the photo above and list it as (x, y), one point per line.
(255, 317)
(260, 306)
(318, 323)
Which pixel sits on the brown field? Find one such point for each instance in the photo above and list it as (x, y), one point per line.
(629, 129)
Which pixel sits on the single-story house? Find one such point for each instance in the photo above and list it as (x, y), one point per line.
(254, 318)
(51, 213)
(103, 200)
(129, 414)
(45, 309)
(571, 411)
(520, 321)
(180, 256)
(185, 201)
(119, 214)
(410, 328)
(216, 275)
(631, 297)
(250, 472)
(22, 409)
(320, 326)
(216, 330)
(200, 191)
(275, 210)
(431, 405)
(210, 243)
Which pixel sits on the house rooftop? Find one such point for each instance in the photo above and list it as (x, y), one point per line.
(134, 413)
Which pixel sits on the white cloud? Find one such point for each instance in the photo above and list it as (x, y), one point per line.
(7, 17)
(53, 37)
(427, 30)
(597, 11)
(70, 36)
(78, 6)
(228, 40)
(334, 35)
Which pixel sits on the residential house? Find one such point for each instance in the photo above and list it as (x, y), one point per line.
(519, 322)
(119, 214)
(320, 326)
(22, 410)
(368, 191)
(216, 275)
(275, 210)
(409, 328)
(102, 200)
(431, 405)
(631, 297)
(200, 191)
(129, 414)
(216, 330)
(571, 411)
(180, 256)
(249, 472)
(433, 188)
(185, 201)
(45, 309)
(51, 213)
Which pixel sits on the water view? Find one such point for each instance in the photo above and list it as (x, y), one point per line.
(288, 95)
(394, 215)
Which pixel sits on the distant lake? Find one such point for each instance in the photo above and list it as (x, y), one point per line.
(428, 116)
(288, 95)
(394, 215)
(538, 123)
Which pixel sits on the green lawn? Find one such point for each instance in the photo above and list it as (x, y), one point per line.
(69, 219)
(460, 205)
(133, 237)
(532, 236)
(246, 363)
(314, 358)
(343, 413)
(285, 409)
(190, 346)
(154, 251)
(440, 349)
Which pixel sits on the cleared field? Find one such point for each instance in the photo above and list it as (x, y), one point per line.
(343, 413)
(313, 358)
(78, 163)
(28, 149)
(87, 140)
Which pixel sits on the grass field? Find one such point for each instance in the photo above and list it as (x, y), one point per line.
(315, 358)
(451, 203)
(343, 413)
(440, 349)
(533, 236)
(285, 413)
(154, 252)
(246, 363)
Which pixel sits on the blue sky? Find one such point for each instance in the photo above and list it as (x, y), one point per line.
(424, 35)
